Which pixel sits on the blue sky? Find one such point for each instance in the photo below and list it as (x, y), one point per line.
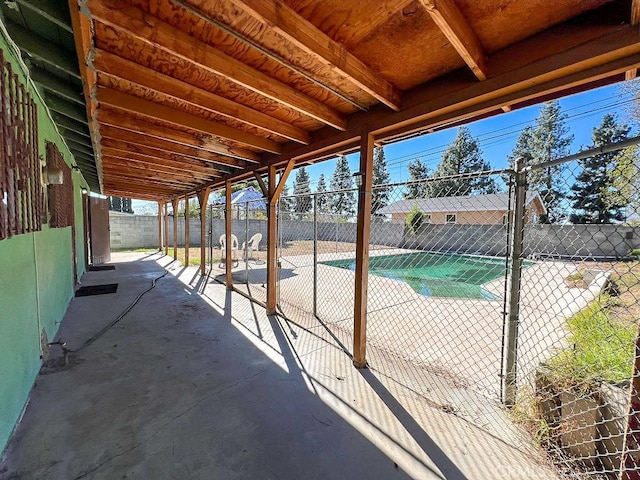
(496, 135)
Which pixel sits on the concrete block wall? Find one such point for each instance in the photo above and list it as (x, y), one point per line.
(601, 241)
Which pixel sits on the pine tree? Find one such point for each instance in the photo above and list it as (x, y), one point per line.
(548, 140)
(462, 156)
(624, 180)
(380, 195)
(593, 191)
(342, 203)
(302, 192)
(417, 171)
(285, 202)
(321, 197)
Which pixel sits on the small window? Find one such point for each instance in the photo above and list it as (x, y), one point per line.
(426, 218)
(450, 218)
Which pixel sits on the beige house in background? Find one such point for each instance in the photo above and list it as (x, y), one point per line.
(490, 209)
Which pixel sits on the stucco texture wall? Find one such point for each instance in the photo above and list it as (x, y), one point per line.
(36, 284)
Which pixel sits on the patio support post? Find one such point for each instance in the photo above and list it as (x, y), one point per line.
(227, 233)
(630, 459)
(510, 378)
(203, 198)
(272, 232)
(186, 230)
(365, 182)
(174, 202)
(315, 255)
(166, 228)
(160, 226)
(271, 244)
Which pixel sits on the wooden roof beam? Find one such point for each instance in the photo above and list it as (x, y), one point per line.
(635, 12)
(133, 153)
(296, 29)
(140, 184)
(450, 20)
(152, 31)
(153, 167)
(131, 103)
(118, 119)
(120, 68)
(169, 147)
(42, 49)
(133, 174)
(135, 195)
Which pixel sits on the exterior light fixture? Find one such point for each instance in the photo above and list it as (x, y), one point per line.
(52, 176)
(84, 190)
(358, 176)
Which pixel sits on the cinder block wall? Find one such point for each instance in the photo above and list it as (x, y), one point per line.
(610, 241)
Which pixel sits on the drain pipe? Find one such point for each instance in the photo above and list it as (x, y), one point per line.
(511, 367)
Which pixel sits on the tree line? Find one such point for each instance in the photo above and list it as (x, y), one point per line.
(602, 189)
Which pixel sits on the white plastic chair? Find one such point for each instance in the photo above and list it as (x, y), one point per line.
(252, 246)
(234, 246)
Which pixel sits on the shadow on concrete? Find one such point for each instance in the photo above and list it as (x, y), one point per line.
(180, 389)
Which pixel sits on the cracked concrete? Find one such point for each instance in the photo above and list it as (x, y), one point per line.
(198, 383)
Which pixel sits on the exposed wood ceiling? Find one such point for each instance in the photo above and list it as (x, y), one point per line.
(186, 93)
(43, 32)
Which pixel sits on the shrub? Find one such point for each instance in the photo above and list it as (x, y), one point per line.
(415, 219)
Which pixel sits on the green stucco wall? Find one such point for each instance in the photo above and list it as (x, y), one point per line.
(36, 285)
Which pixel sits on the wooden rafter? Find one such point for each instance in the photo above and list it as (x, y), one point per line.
(125, 122)
(121, 68)
(169, 147)
(152, 169)
(635, 12)
(448, 17)
(114, 159)
(302, 33)
(572, 58)
(129, 174)
(83, 43)
(152, 31)
(138, 155)
(179, 118)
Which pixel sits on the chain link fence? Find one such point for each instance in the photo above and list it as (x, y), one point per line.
(515, 288)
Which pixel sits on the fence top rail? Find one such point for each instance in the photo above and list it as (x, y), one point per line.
(611, 147)
(483, 173)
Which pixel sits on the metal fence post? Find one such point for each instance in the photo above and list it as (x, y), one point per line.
(246, 242)
(510, 378)
(315, 255)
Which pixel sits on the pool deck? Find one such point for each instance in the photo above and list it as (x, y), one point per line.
(461, 337)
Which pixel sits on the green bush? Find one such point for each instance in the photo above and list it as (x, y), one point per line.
(415, 219)
(601, 348)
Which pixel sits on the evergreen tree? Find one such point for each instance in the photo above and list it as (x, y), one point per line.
(462, 156)
(302, 191)
(342, 203)
(286, 203)
(321, 197)
(417, 171)
(624, 180)
(380, 195)
(592, 192)
(548, 140)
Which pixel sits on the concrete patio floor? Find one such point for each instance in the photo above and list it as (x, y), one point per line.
(196, 382)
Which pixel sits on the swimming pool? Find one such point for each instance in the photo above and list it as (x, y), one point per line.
(436, 274)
